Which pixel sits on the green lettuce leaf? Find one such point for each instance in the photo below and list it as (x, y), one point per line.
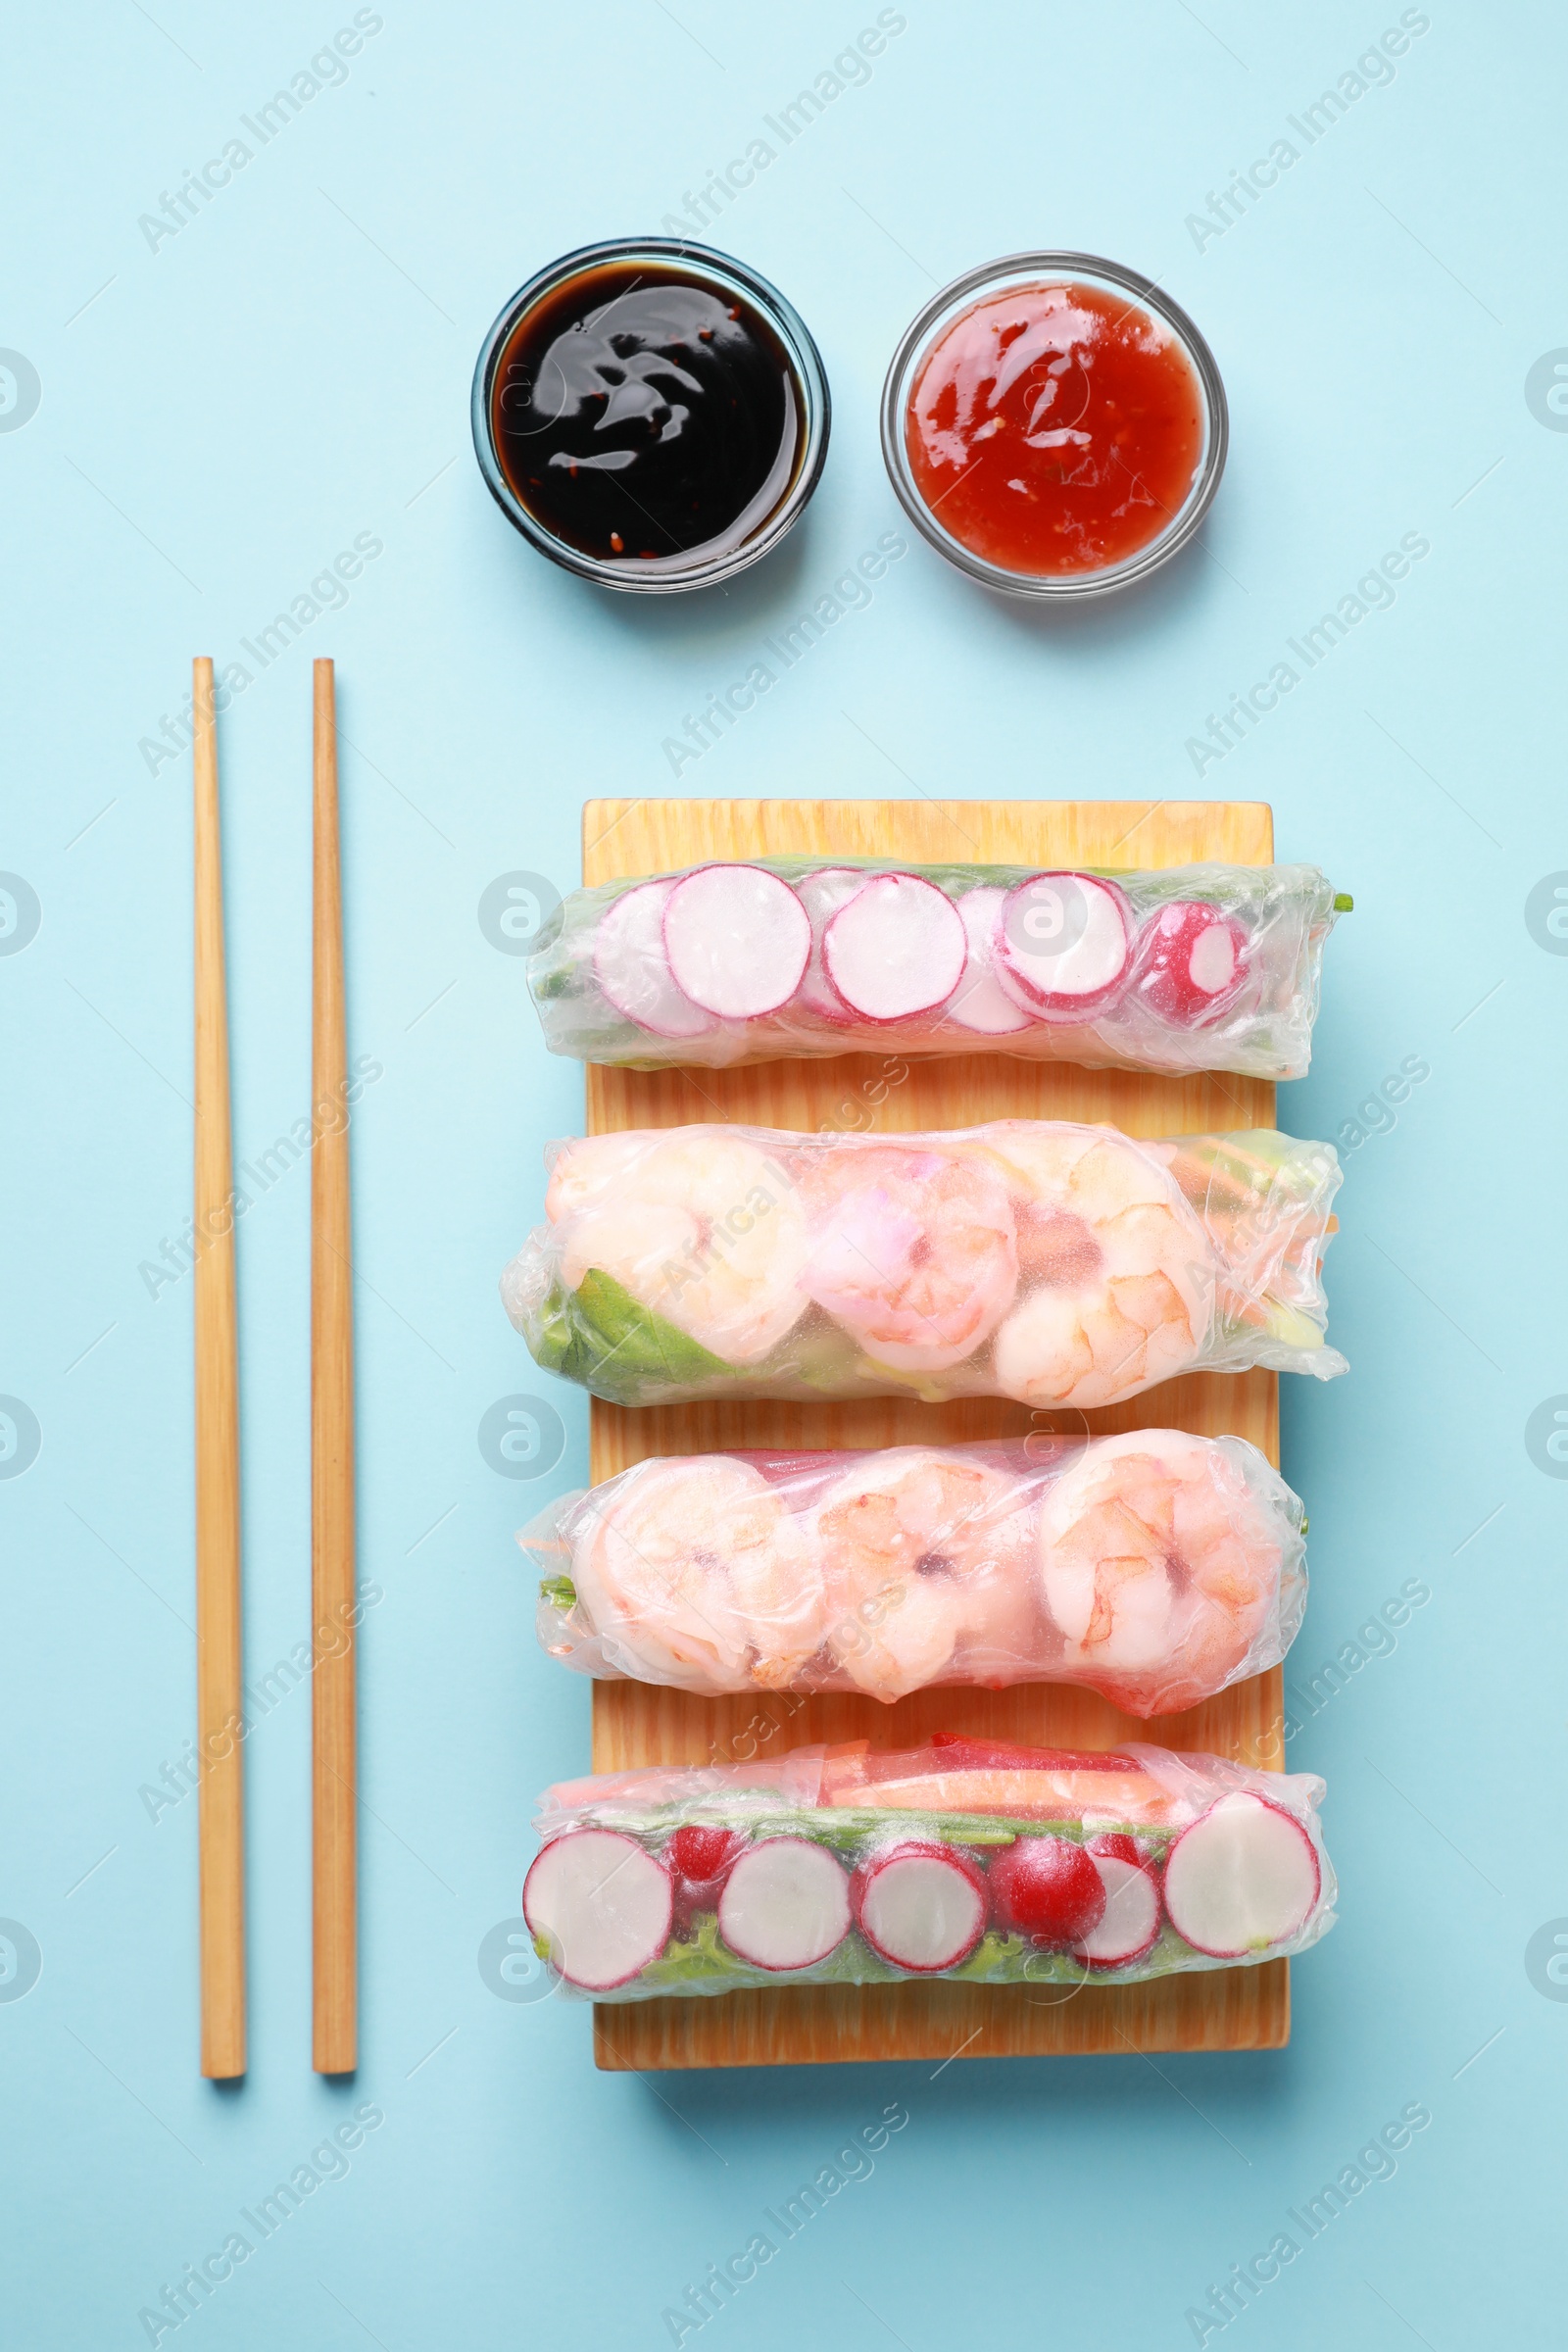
(604, 1338)
(552, 1338)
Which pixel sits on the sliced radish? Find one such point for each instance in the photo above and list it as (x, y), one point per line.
(601, 1904)
(822, 893)
(981, 1003)
(1063, 945)
(1131, 1924)
(631, 969)
(1244, 1878)
(785, 1904)
(701, 1852)
(737, 940)
(922, 1906)
(896, 949)
(1190, 959)
(1047, 1889)
(700, 1856)
(1115, 1842)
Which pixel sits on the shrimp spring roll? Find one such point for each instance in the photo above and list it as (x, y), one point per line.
(968, 1859)
(1200, 967)
(1153, 1567)
(1061, 1265)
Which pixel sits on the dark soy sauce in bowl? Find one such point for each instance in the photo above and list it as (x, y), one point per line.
(648, 419)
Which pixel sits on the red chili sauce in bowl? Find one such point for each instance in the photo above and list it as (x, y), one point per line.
(1055, 429)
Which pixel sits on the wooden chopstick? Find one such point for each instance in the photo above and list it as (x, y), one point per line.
(334, 1787)
(220, 1697)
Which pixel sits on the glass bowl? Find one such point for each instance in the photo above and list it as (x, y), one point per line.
(664, 576)
(1032, 269)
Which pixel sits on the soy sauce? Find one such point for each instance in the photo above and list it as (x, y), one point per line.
(639, 414)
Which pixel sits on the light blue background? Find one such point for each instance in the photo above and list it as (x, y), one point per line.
(221, 418)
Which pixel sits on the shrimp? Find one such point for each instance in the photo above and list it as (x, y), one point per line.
(702, 1227)
(1117, 1269)
(925, 1558)
(695, 1574)
(587, 1170)
(1159, 1566)
(913, 1250)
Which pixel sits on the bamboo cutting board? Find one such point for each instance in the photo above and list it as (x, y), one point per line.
(1228, 2009)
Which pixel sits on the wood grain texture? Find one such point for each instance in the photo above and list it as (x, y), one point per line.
(220, 1695)
(334, 1775)
(636, 1724)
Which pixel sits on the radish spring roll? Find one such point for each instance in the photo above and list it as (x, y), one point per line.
(1200, 967)
(968, 1859)
(1059, 1266)
(1155, 1567)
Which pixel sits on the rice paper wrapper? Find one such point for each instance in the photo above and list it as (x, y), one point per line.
(1064, 1267)
(969, 1860)
(1170, 969)
(1155, 1568)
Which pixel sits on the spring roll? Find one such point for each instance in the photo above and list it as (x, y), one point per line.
(1061, 1265)
(1155, 1568)
(1202, 967)
(979, 1862)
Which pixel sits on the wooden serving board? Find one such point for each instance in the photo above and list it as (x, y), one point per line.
(1229, 2009)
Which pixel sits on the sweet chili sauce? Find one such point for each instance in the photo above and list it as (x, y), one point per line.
(1055, 429)
(639, 412)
